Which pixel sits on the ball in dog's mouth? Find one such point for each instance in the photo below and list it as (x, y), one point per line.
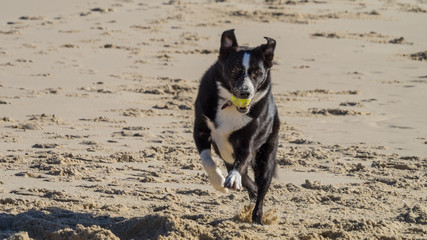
(242, 105)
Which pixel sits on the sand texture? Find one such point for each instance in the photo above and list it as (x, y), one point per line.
(96, 118)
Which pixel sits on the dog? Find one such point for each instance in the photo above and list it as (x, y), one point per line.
(235, 112)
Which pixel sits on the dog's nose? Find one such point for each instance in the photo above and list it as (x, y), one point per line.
(244, 92)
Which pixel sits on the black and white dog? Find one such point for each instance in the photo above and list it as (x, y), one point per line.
(237, 115)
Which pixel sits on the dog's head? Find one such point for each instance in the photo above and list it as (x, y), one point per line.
(245, 71)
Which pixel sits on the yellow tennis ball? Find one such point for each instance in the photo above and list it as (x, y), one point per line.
(239, 102)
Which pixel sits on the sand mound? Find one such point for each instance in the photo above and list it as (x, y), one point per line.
(82, 233)
(159, 226)
(20, 236)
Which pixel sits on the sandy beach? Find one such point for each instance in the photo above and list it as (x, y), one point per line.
(96, 119)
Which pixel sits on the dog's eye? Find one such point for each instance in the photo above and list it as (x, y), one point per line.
(256, 73)
(235, 70)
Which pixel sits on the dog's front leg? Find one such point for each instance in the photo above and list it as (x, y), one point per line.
(202, 139)
(234, 178)
(214, 173)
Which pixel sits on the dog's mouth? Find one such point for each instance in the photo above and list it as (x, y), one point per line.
(243, 109)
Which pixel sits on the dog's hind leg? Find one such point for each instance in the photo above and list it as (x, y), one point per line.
(263, 174)
(265, 165)
(250, 185)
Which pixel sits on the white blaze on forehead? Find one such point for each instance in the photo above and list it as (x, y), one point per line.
(247, 80)
(245, 62)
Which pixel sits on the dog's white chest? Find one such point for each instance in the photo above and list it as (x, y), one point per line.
(227, 121)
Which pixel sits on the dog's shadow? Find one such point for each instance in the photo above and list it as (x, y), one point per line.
(58, 223)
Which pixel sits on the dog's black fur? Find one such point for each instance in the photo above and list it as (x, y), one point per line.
(252, 139)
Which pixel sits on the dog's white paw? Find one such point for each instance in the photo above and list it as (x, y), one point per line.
(233, 180)
(217, 180)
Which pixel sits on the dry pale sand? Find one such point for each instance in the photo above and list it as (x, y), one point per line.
(96, 112)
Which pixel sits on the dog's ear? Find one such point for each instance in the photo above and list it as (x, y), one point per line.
(268, 51)
(228, 43)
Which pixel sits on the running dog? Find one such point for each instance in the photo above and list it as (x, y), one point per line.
(235, 112)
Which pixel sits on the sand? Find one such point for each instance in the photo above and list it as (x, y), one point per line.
(96, 115)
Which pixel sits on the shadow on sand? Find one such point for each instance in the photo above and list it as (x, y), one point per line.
(56, 223)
